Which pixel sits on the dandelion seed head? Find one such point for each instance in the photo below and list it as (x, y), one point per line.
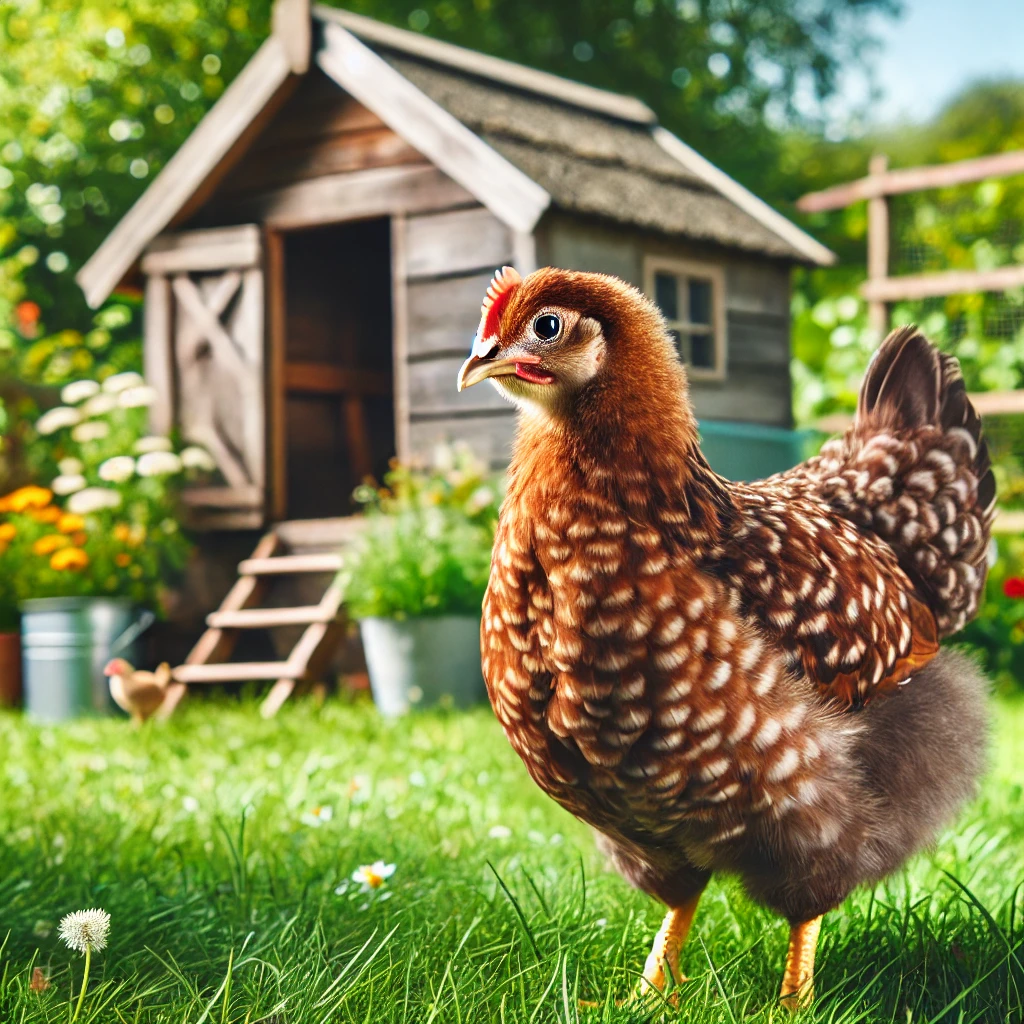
(85, 929)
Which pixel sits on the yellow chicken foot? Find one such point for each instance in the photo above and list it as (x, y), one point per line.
(798, 979)
(667, 945)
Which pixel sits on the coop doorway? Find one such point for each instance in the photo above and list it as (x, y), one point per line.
(335, 392)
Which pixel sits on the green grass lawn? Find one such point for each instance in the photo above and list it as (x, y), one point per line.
(231, 898)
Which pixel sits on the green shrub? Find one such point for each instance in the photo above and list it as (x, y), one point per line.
(426, 544)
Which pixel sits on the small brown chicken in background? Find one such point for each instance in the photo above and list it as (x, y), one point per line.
(137, 692)
(718, 676)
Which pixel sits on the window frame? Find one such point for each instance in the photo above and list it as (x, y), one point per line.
(683, 270)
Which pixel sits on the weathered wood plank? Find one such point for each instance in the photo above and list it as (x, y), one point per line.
(947, 282)
(305, 534)
(432, 389)
(756, 287)
(265, 618)
(746, 396)
(157, 356)
(336, 154)
(292, 23)
(757, 341)
(232, 672)
(456, 242)
(444, 314)
(490, 437)
(339, 197)
(326, 562)
(324, 378)
(914, 179)
(400, 332)
(445, 141)
(204, 249)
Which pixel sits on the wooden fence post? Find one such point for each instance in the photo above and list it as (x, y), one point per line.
(878, 244)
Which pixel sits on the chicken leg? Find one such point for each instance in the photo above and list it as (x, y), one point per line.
(668, 943)
(798, 979)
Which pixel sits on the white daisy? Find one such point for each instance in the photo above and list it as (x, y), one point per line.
(137, 398)
(70, 466)
(373, 876)
(118, 469)
(152, 443)
(93, 499)
(158, 464)
(195, 457)
(99, 405)
(78, 391)
(122, 381)
(57, 419)
(85, 930)
(67, 483)
(92, 430)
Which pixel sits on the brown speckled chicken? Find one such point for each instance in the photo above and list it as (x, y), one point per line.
(730, 677)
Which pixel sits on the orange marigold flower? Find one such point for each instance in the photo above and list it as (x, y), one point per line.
(122, 533)
(78, 539)
(8, 531)
(69, 558)
(70, 523)
(47, 514)
(123, 559)
(49, 543)
(28, 497)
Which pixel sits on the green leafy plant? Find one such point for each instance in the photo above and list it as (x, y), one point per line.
(997, 633)
(106, 524)
(426, 545)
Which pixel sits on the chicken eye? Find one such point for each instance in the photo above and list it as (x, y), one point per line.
(547, 326)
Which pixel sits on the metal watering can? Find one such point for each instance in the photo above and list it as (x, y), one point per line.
(66, 641)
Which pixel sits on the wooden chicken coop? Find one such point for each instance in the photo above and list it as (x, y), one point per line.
(315, 255)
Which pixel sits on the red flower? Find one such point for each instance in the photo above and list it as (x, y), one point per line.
(27, 316)
(1013, 586)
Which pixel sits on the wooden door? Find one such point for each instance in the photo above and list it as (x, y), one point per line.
(204, 352)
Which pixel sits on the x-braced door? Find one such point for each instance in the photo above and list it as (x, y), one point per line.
(204, 353)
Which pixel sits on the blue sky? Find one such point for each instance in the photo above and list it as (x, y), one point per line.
(939, 45)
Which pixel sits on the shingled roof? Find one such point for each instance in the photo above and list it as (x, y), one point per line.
(594, 152)
(518, 139)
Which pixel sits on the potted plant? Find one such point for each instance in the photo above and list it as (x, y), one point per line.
(84, 554)
(415, 580)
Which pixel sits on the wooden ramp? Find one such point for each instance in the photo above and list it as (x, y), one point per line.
(300, 547)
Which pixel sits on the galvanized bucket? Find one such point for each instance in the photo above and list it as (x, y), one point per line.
(423, 661)
(66, 641)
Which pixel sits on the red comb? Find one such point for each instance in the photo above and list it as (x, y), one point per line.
(498, 293)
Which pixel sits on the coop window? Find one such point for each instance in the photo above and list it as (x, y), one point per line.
(692, 298)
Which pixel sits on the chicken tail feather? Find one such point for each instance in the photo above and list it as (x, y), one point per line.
(911, 385)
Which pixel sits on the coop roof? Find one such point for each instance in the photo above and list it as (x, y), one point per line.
(520, 140)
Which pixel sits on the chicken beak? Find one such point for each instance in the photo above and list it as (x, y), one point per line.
(481, 364)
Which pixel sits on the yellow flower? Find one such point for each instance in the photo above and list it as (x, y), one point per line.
(69, 558)
(123, 560)
(70, 523)
(47, 514)
(51, 542)
(28, 497)
(122, 533)
(8, 531)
